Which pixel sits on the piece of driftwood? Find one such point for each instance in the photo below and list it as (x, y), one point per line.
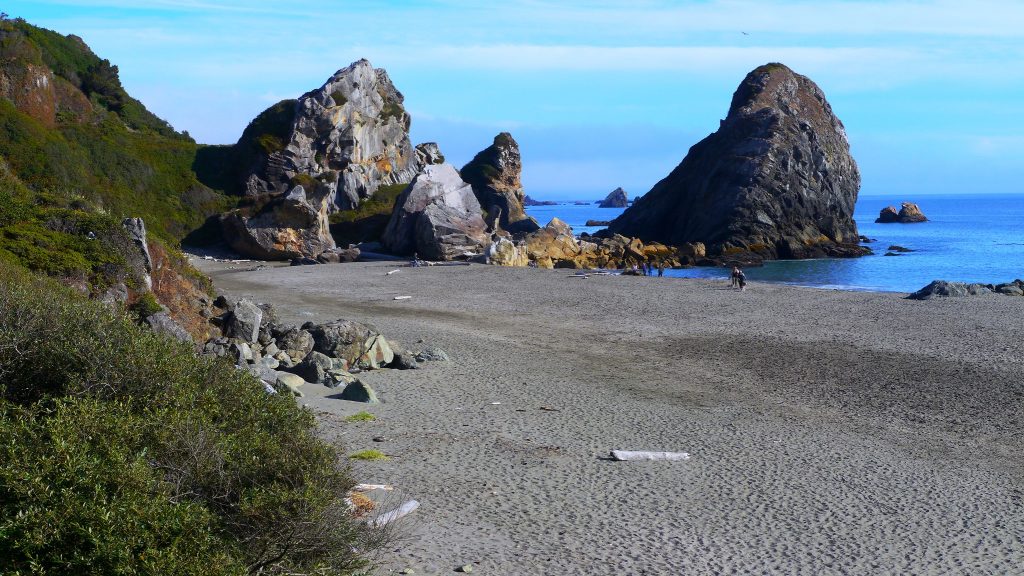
(402, 297)
(370, 487)
(406, 508)
(623, 455)
(396, 270)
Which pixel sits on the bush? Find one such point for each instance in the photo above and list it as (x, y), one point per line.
(125, 453)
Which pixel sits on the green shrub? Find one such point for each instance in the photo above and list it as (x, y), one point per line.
(367, 221)
(361, 417)
(126, 454)
(145, 306)
(339, 98)
(368, 455)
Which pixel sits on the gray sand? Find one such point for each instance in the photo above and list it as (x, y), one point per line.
(830, 432)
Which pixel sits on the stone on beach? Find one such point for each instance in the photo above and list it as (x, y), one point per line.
(359, 391)
(244, 321)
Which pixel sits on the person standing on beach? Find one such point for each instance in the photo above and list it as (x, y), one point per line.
(741, 278)
(735, 276)
(661, 269)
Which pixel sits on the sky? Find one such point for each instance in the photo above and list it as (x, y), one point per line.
(598, 94)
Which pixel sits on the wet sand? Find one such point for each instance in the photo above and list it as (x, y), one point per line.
(830, 432)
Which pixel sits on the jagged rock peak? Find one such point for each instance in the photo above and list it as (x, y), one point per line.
(776, 180)
(615, 199)
(351, 135)
(494, 173)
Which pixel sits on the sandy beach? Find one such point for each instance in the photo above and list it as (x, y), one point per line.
(830, 432)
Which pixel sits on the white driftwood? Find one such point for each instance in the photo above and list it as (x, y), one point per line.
(407, 507)
(645, 455)
(370, 487)
(402, 297)
(395, 271)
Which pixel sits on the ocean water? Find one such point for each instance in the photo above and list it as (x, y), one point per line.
(969, 238)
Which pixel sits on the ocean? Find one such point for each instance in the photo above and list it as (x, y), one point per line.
(968, 238)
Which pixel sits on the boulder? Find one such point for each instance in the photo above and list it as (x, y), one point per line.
(776, 179)
(359, 392)
(432, 355)
(290, 382)
(437, 217)
(908, 214)
(942, 288)
(615, 199)
(339, 255)
(504, 252)
(314, 367)
(243, 321)
(552, 243)
(162, 323)
(290, 226)
(1015, 288)
(356, 343)
(404, 360)
(296, 343)
(494, 173)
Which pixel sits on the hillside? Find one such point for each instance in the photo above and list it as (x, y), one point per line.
(78, 154)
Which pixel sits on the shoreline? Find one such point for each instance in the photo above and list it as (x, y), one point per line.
(837, 431)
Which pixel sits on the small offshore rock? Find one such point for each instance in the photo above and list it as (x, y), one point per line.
(896, 248)
(907, 214)
(432, 355)
(359, 392)
(616, 199)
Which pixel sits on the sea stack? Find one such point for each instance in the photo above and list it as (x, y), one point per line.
(907, 214)
(302, 159)
(615, 199)
(775, 181)
(494, 173)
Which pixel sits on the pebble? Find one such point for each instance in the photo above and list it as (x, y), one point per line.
(466, 569)
(379, 439)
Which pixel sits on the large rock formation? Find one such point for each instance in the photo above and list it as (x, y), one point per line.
(437, 217)
(290, 226)
(615, 199)
(327, 151)
(907, 214)
(494, 175)
(351, 134)
(776, 180)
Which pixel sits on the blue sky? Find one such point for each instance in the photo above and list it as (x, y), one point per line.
(598, 94)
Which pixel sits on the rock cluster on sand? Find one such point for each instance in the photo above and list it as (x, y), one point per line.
(437, 217)
(907, 214)
(327, 151)
(494, 174)
(555, 246)
(775, 181)
(285, 357)
(615, 199)
(943, 288)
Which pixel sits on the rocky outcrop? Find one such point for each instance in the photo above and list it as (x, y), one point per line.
(555, 246)
(291, 226)
(437, 217)
(775, 181)
(907, 214)
(527, 201)
(615, 199)
(494, 174)
(351, 134)
(428, 153)
(943, 288)
(598, 222)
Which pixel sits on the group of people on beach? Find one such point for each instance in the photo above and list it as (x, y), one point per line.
(739, 279)
(648, 269)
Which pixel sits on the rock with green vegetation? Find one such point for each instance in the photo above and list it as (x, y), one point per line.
(494, 173)
(775, 181)
(352, 134)
(294, 225)
(437, 217)
(359, 391)
(137, 457)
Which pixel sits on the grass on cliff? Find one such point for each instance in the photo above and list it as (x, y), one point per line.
(124, 453)
(366, 222)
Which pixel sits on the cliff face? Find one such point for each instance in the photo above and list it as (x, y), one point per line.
(776, 179)
(351, 135)
(494, 173)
